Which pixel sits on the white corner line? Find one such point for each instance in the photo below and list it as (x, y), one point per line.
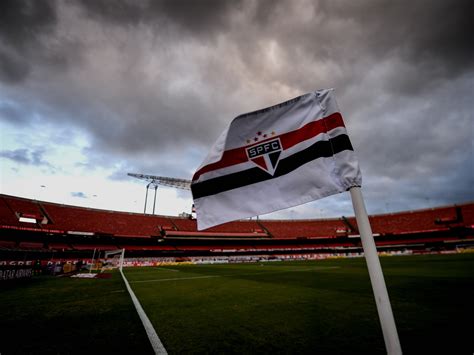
(155, 341)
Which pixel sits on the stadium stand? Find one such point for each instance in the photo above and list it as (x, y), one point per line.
(7, 215)
(414, 221)
(104, 222)
(59, 246)
(250, 227)
(326, 228)
(31, 245)
(94, 246)
(7, 244)
(71, 230)
(241, 229)
(25, 207)
(146, 247)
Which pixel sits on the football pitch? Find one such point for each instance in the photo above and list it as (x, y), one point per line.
(310, 307)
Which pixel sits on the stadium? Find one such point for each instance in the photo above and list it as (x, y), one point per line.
(273, 123)
(49, 231)
(188, 281)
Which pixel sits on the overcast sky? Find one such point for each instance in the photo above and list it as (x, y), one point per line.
(91, 90)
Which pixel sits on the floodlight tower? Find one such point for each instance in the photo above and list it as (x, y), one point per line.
(155, 181)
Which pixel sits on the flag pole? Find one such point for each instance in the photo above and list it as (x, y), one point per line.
(384, 308)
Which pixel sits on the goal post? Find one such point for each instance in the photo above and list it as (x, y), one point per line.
(114, 258)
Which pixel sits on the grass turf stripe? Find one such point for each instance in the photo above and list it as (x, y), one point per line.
(228, 275)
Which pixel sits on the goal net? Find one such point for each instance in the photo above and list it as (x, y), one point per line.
(114, 259)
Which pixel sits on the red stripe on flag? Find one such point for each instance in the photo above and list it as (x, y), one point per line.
(238, 155)
(311, 130)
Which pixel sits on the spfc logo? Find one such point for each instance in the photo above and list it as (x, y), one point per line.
(266, 154)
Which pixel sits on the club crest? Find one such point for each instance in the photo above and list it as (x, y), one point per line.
(265, 154)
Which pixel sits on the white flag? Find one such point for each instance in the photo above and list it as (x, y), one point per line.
(278, 157)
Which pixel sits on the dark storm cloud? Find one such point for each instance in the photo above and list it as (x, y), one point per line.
(418, 31)
(26, 156)
(430, 40)
(22, 23)
(195, 17)
(152, 83)
(13, 68)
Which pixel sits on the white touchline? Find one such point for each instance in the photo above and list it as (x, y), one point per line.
(155, 341)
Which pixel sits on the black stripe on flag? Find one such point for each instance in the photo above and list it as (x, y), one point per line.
(320, 149)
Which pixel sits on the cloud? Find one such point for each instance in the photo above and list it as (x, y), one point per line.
(26, 156)
(79, 194)
(195, 19)
(13, 67)
(10, 112)
(19, 155)
(23, 23)
(153, 83)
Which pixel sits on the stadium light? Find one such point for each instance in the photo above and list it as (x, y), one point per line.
(154, 181)
(163, 180)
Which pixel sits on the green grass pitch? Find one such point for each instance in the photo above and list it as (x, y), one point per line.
(311, 307)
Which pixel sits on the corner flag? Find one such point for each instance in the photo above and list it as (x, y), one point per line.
(278, 157)
(283, 156)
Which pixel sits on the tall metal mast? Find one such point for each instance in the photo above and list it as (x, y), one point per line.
(155, 181)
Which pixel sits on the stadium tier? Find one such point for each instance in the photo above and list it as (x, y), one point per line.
(77, 219)
(329, 228)
(37, 226)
